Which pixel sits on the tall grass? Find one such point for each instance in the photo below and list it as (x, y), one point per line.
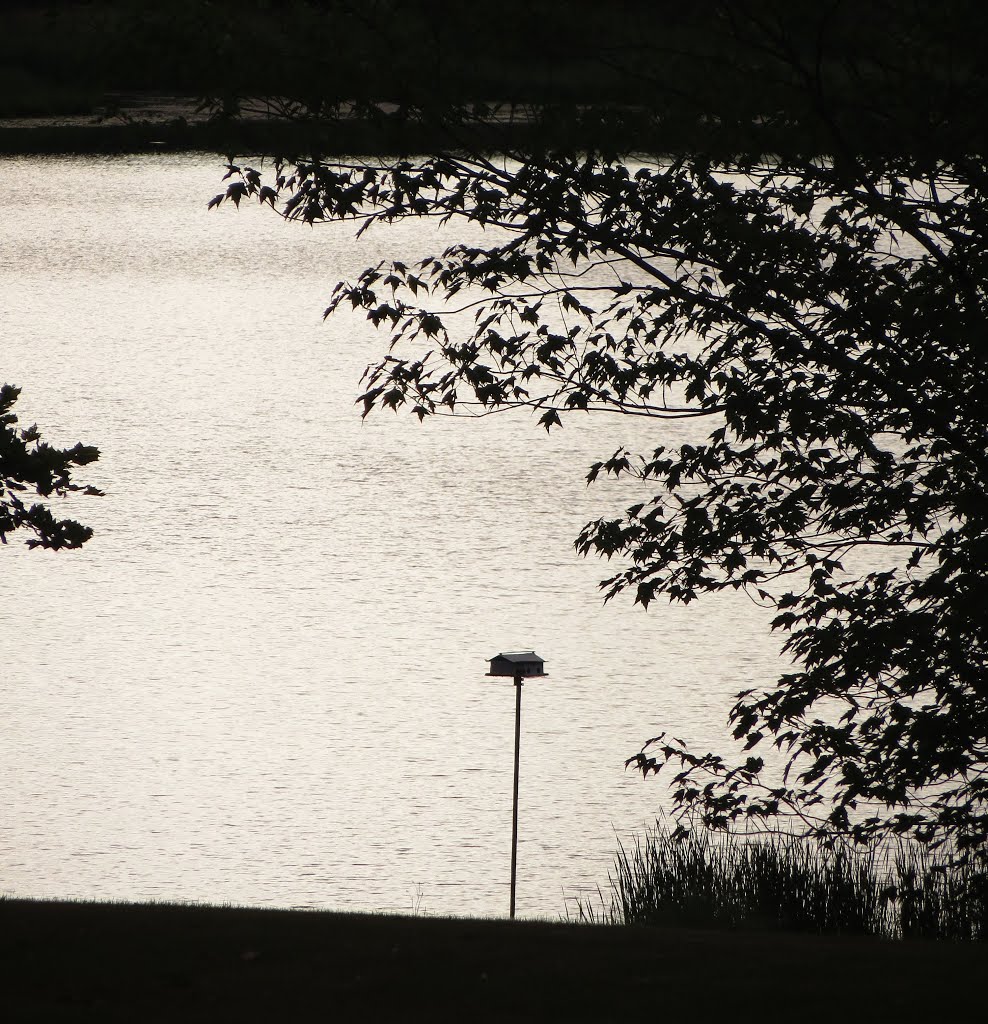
(786, 882)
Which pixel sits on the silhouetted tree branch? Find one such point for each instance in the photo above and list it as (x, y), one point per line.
(31, 469)
(821, 308)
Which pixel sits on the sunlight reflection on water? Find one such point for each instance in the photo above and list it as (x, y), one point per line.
(263, 681)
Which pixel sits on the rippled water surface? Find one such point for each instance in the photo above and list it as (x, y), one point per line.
(263, 680)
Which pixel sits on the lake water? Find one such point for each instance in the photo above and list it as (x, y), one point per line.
(262, 681)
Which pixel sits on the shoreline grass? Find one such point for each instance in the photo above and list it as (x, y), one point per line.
(896, 891)
(163, 962)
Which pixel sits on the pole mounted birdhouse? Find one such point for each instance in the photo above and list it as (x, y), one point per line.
(517, 665)
(526, 664)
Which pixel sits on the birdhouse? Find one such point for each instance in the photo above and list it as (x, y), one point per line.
(518, 663)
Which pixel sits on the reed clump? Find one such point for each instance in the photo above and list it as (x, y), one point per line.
(791, 883)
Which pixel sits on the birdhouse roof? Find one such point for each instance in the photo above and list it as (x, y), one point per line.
(518, 657)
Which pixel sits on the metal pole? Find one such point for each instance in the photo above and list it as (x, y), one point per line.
(514, 807)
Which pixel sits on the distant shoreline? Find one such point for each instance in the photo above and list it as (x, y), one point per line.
(151, 123)
(90, 135)
(110, 139)
(244, 138)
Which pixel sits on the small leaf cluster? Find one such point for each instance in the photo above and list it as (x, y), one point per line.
(29, 466)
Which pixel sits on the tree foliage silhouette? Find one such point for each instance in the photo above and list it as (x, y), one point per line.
(29, 467)
(818, 312)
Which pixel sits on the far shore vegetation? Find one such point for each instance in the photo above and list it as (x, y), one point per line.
(124, 76)
(67, 56)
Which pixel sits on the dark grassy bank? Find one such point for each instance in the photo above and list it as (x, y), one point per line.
(112, 962)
